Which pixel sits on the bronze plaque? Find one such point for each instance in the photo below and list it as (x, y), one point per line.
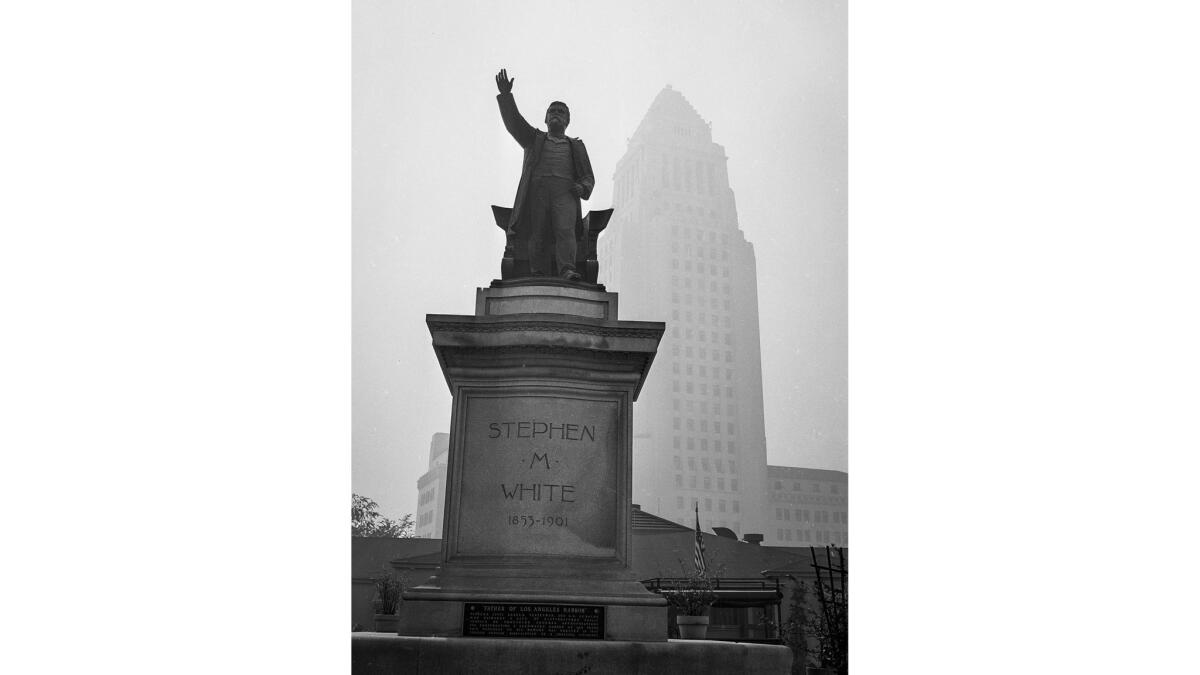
(525, 620)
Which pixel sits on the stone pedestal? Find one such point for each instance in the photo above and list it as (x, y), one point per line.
(543, 377)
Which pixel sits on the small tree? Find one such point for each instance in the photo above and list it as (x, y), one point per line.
(795, 628)
(366, 521)
(691, 596)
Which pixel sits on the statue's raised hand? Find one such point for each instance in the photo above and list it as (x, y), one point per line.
(503, 83)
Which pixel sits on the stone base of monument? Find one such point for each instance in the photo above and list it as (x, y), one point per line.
(537, 535)
(377, 653)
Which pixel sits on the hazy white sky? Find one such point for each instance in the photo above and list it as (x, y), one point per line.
(430, 156)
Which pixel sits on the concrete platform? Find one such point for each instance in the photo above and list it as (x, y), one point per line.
(378, 653)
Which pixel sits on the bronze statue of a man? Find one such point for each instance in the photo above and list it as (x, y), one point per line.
(555, 175)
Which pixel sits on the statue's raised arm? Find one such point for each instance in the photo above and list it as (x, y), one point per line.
(521, 130)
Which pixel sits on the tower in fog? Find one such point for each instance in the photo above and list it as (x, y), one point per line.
(675, 253)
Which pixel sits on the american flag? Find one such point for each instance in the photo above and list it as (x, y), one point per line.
(701, 568)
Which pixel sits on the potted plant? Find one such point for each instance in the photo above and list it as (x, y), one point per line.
(691, 599)
(387, 603)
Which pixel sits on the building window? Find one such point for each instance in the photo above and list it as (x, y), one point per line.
(707, 504)
(678, 461)
(678, 480)
(679, 502)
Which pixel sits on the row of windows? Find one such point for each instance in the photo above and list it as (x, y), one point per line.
(730, 409)
(698, 387)
(793, 498)
(425, 519)
(703, 443)
(719, 464)
(814, 486)
(816, 537)
(701, 335)
(702, 318)
(706, 482)
(704, 425)
(712, 301)
(687, 283)
(803, 515)
(700, 268)
(701, 388)
(689, 352)
(695, 386)
(691, 369)
(733, 506)
(683, 232)
(427, 496)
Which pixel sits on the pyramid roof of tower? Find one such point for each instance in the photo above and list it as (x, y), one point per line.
(670, 104)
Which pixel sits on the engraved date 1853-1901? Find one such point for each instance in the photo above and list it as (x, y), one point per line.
(531, 521)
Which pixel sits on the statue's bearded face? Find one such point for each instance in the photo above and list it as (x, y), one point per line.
(557, 115)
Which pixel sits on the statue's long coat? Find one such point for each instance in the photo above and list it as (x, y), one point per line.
(532, 140)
